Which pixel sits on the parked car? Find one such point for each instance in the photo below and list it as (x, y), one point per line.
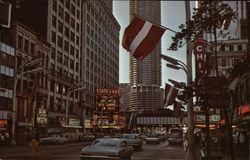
(175, 138)
(54, 139)
(153, 138)
(88, 137)
(107, 148)
(133, 140)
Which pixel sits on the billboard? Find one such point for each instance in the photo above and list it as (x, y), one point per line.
(107, 108)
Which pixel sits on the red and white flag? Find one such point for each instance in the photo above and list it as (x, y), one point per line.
(170, 95)
(140, 37)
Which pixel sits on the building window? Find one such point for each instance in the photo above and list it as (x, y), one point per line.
(53, 37)
(77, 67)
(72, 9)
(77, 27)
(53, 53)
(26, 45)
(72, 36)
(32, 48)
(71, 64)
(66, 30)
(67, 4)
(236, 61)
(77, 40)
(67, 17)
(223, 62)
(60, 12)
(77, 53)
(55, 5)
(72, 50)
(231, 47)
(239, 47)
(66, 46)
(54, 21)
(20, 42)
(78, 14)
(222, 47)
(60, 26)
(59, 57)
(60, 41)
(72, 23)
(66, 60)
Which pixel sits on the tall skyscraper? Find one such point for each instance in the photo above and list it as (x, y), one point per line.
(145, 75)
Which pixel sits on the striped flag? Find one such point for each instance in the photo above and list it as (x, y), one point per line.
(141, 37)
(170, 95)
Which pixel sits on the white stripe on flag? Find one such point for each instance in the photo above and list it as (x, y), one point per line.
(168, 96)
(140, 36)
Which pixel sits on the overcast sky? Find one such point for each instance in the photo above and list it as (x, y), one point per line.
(172, 15)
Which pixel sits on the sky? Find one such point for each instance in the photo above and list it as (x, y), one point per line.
(172, 15)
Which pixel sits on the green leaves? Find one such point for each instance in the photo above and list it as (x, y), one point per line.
(206, 19)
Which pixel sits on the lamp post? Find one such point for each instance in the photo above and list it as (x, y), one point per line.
(176, 67)
(14, 108)
(67, 102)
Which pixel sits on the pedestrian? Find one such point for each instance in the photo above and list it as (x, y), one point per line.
(235, 137)
(242, 137)
(1, 139)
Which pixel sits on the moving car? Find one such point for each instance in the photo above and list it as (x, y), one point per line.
(133, 140)
(175, 138)
(154, 138)
(107, 148)
(54, 139)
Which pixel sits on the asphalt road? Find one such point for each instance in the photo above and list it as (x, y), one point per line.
(71, 151)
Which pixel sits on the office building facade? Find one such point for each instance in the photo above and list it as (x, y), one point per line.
(100, 51)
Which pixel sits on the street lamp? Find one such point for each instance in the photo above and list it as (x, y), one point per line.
(176, 67)
(14, 109)
(180, 85)
(174, 61)
(67, 102)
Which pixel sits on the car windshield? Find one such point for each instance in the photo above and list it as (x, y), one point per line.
(175, 136)
(111, 143)
(129, 136)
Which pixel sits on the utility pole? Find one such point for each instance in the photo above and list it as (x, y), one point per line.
(191, 150)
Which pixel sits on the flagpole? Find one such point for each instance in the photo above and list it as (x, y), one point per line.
(191, 149)
(157, 24)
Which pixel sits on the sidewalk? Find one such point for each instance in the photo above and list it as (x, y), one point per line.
(241, 152)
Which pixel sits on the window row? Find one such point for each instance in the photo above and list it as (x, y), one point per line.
(231, 47)
(70, 6)
(59, 40)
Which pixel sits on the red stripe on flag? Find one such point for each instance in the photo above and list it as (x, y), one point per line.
(131, 32)
(149, 42)
(170, 97)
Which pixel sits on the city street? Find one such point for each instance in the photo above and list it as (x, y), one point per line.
(71, 151)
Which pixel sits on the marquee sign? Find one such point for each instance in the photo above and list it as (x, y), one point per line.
(107, 91)
(244, 109)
